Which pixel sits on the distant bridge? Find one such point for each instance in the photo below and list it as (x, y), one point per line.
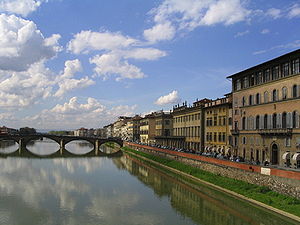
(23, 140)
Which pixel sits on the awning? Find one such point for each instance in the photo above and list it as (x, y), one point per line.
(210, 148)
(219, 149)
(214, 149)
(223, 150)
(296, 156)
(286, 156)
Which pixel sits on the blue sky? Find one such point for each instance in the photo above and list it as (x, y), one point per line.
(66, 64)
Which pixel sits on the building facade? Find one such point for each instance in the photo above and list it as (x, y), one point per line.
(266, 106)
(218, 125)
(188, 126)
(163, 128)
(147, 129)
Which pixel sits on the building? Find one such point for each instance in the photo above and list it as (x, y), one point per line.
(188, 126)
(6, 130)
(218, 125)
(81, 132)
(101, 132)
(117, 127)
(163, 128)
(109, 130)
(136, 127)
(147, 129)
(266, 105)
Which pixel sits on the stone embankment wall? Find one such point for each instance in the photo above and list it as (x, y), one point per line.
(282, 181)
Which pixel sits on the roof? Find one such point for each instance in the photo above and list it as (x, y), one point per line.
(266, 63)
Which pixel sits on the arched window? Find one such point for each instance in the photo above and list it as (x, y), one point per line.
(257, 122)
(295, 91)
(243, 101)
(243, 123)
(295, 119)
(284, 93)
(266, 97)
(284, 120)
(266, 121)
(274, 95)
(257, 98)
(250, 100)
(274, 120)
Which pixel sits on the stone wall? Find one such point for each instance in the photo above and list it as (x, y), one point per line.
(282, 185)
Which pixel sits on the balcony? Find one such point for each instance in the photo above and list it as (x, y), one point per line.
(276, 132)
(235, 131)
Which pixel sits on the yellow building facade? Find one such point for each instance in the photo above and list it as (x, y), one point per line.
(266, 106)
(218, 125)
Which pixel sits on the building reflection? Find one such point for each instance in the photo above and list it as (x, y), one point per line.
(202, 204)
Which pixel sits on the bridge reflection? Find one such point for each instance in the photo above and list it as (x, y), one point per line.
(25, 153)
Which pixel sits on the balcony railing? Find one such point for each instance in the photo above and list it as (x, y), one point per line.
(282, 131)
(235, 131)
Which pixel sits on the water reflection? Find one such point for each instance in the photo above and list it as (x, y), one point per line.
(101, 190)
(8, 146)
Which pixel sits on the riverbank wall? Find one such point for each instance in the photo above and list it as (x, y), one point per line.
(279, 180)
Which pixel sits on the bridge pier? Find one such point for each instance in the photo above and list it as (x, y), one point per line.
(22, 145)
(62, 146)
(97, 146)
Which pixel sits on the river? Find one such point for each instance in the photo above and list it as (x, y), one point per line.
(113, 190)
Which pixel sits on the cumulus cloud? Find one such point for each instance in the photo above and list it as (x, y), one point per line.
(21, 7)
(66, 82)
(171, 98)
(22, 44)
(21, 89)
(175, 15)
(160, 32)
(115, 50)
(74, 114)
(87, 41)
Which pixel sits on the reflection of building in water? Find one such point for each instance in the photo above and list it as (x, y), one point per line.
(7, 143)
(202, 204)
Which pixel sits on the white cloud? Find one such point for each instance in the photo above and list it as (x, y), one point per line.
(274, 13)
(294, 11)
(144, 53)
(21, 89)
(67, 83)
(240, 34)
(113, 64)
(176, 15)
(22, 44)
(160, 32)
(74, 114)
(265, 31)
(87, 41)
(21, 7)
(171, 98)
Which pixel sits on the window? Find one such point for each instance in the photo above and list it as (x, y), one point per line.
(250, 100)
(259, 77)
(274, 95)
(230, 121)
(243, 101)
(238, 84)
(288, 142)
(252, 80)
(274, 120)
(257, 98)
(257, 122)
(284, 120)
(266, 97)
(275, 72)
(266, 121)
(245, 82)
(294, 119)
(295, 90)
(285, 69)
(267, 75)
(243, 123)
(295, 66)
(284, 93)
(244, 140)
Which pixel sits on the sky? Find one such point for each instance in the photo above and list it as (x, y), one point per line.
(66, 64)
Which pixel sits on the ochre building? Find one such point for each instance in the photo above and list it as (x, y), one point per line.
(266, 105)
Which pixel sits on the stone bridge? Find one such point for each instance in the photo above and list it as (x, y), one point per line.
(23, 140)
